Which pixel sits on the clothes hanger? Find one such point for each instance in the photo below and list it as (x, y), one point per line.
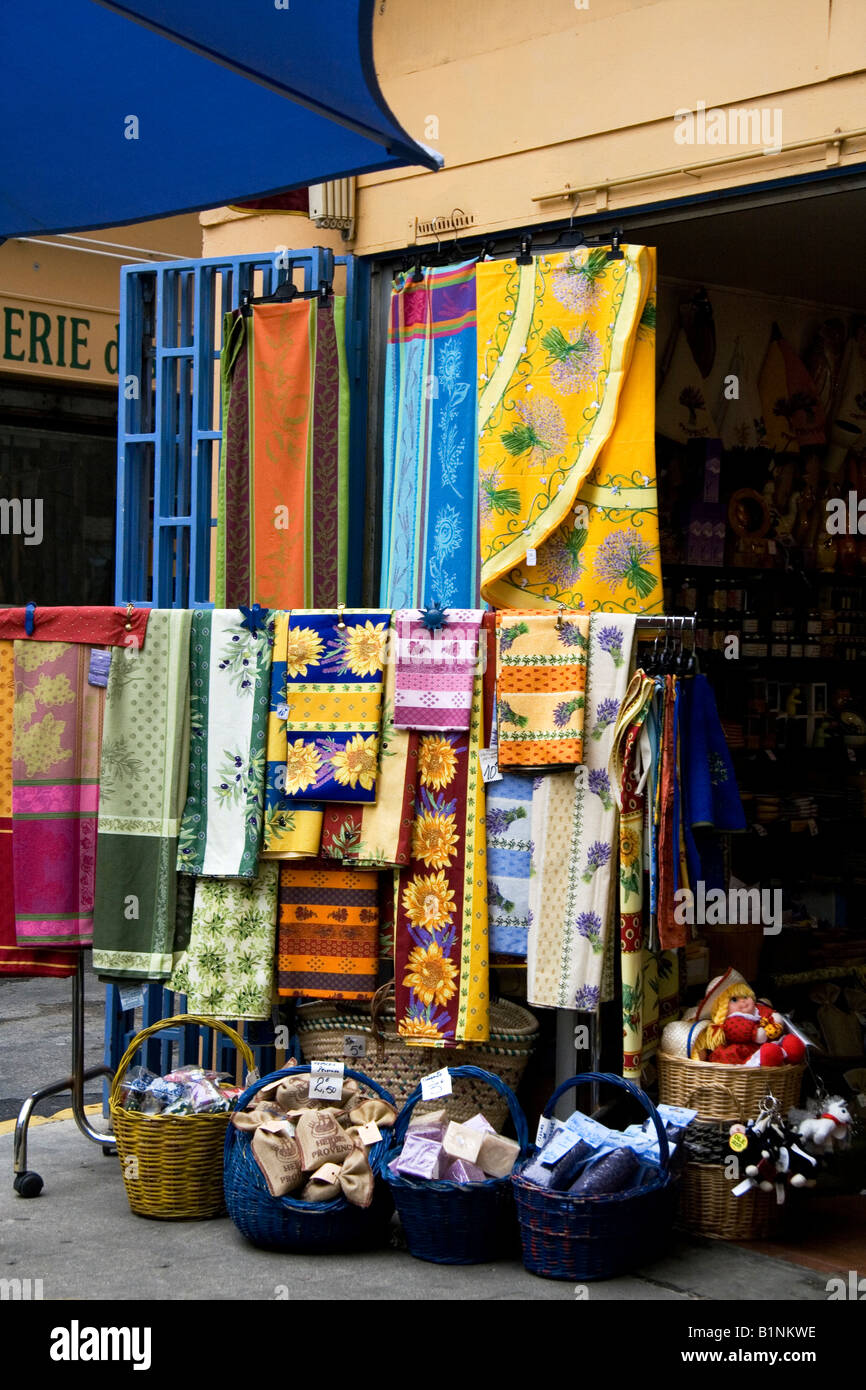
(285, 292)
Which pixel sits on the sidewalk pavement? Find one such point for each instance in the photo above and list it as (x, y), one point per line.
(80, 1238)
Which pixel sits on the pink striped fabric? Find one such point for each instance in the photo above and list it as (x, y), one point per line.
(435, 670)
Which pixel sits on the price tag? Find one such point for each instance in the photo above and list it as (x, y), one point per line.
(326, 1081)
(329, 1172)
(100, 664)
(490, 765)
(437, 1084)
(531, 558)
(546, 1127)
(132, 998)
(282, 711)
(760, 829)
(369, 1133)
(738, 1142)
(354, 1045)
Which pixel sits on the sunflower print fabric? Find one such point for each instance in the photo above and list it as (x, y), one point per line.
(441, 955)
(334, 679)
(566, 362)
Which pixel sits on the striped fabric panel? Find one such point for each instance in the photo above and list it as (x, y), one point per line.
(328, 931)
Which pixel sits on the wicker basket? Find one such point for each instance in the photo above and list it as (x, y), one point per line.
(720, 1091)
(708, 1207)
(458, 1223)
(399, 1067)
(577, 1238)
(287, 1223)
(172, 1165)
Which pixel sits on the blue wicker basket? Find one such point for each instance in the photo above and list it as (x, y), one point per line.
(455, 1223)
(597, 1237)
(286, 1223)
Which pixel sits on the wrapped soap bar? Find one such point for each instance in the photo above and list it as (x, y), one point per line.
(433, 1117)
(498, 1155)
(419, 1158)
(436, 1133)
(463, 1171)
(613, 1172)
(481, 1122)
(461, 1142)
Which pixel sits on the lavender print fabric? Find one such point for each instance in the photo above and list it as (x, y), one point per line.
(509, 856)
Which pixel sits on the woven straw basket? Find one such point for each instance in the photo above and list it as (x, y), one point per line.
(398, 1067)
(720, 1091)
(177, 1172)
(708, 1207)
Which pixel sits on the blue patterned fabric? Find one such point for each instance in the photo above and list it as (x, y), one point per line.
(509, 855)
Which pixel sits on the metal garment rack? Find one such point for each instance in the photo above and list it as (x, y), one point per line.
(567, 1019)
(168, 442)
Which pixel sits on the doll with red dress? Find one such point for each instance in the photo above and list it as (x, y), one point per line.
(742, 1030)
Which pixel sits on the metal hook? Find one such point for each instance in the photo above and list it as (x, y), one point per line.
(340, 622)
(559, 623)
(129, 612)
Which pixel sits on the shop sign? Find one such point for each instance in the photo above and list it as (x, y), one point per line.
(68, 341)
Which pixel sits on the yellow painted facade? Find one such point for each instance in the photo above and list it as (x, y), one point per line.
(556, 106)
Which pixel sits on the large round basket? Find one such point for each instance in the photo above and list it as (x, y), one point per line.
(399, 1066)
(579, 1238)
(458, 1223)
(287, 1223)
(720, 1091)
(708, 1206)
(172, 1165)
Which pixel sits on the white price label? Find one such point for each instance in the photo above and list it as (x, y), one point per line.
(369, 1133)
(329, 1172)
(326, 1081)
(490, 765)
(132, 998)
(531, 557)
(546, 1127)
(354, 1045)
(438, 1083)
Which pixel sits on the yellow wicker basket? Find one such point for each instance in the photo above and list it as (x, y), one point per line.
(172, 1165)
(709, 1208)
(720, 1091)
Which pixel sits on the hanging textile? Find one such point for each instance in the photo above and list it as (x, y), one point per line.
(509, 858)
(629, 776)
(793, 414)
(282, 533)
(229, 681)
(435, 670)
(560, 343)
(711, 800)
(143, 785)
(380, 835)
(56, 742)
(334, 680)
(672, 933)
(541, 680)
(227, 969)
(430, 499)
(328, 931)
(15, 959)
(683, 411)
(441, 957)
(740, 418)
(574, 819)
(97, 627)
(293, 829)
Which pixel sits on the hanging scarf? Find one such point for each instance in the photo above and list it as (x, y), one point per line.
(541, 678)
(143, 784)
(334, 680)
(293, 829)
(15, 959)
(97, 627)
(711, 800)
(671, 933)
(435, 670)
(574, 830)
(556, 343)
(328, 932)
(227, 969)
(229, 677)
(430, 501)
(282, 532)
(57, 735)
(379, 836)
(509, 856)
(440, 957)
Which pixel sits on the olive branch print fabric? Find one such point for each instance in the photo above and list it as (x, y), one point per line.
(541, 680)
(143, 785)
(566, 363)
(230, 672)
(227, 970)
(574, 817)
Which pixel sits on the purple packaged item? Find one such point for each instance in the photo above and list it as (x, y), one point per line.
(435, 1133)
(419, 1158)
(461, 1170)
(479, 1122)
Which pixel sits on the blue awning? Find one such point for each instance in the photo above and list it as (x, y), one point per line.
(121, 112)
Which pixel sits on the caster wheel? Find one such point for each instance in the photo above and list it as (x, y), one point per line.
(109, 1150)
(28, 1184)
